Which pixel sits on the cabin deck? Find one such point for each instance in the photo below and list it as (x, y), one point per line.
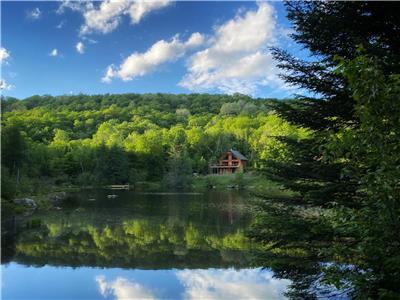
(230, 162)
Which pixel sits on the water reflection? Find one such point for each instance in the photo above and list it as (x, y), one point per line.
(48, 282)
(139, 246)
(121, 288)
(231, 284)
(151, 246)
(175, 233)
(201, 284)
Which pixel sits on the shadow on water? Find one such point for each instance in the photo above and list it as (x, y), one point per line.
(294, 242)
(9, 234)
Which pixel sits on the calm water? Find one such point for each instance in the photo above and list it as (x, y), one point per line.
(138, 246)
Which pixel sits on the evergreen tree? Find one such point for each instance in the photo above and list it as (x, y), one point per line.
(371, 152)
(112, 166)
(354, 114)
(13, 148)
(329, 30)
(179, 169)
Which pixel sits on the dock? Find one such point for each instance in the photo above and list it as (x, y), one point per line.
(118, 186)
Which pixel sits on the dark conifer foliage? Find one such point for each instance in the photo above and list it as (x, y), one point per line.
(329, 30)
(350, 164)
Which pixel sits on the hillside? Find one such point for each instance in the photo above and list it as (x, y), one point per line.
(104, 139)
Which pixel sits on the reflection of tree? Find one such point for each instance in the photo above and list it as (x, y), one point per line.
(8, 239)
(292, 240)
(148, 243)
(185, 233)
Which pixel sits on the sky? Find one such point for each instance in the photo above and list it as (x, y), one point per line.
(65, 47)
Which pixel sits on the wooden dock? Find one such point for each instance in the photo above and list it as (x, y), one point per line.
(118, 186)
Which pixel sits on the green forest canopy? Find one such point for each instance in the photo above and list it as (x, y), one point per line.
(131, 137)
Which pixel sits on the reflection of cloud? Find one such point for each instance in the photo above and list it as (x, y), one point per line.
(123, 289)
(231, 284)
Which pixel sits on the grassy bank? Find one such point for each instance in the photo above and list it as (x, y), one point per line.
(250, 181)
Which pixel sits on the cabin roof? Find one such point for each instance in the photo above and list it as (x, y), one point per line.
(238, 155)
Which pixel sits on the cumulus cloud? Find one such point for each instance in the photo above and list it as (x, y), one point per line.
(4, 55)
(4, 85)
(122, 288)
(237, 59)
(34, 14)
(140, 64)
(107, 16)
(231, 284)
(110, 73)
(80, 47)
(139, 9)
(54, 53)
(72, 5)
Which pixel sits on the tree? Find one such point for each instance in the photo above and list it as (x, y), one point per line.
(328, 30)
(370, 150)
(108, 134)
(230, 108)
(179, 169)
(13, 150)
(354, 114)
(66, 135)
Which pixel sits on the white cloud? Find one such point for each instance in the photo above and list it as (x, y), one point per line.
(139, 9)
(237, 59)
(140, 64)
(286, 31)
(123, 289)
(4, 55)
(4, 85)
(34, 14)
(80, 47)
(106, 17)
(60, 25)
(89, 40)
(195, 40)
(54, 53)
(231, 284)
(110, 73)
(78, 6)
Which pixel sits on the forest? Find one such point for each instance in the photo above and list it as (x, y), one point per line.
(336, 147)
(115, 139)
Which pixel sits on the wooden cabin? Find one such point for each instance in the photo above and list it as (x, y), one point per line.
(230, 162)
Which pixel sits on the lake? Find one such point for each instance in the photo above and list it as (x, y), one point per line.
(138, 246)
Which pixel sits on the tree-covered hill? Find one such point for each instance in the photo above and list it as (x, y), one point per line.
(106, 139)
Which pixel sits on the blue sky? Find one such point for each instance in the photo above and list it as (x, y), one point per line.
(143, 47)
